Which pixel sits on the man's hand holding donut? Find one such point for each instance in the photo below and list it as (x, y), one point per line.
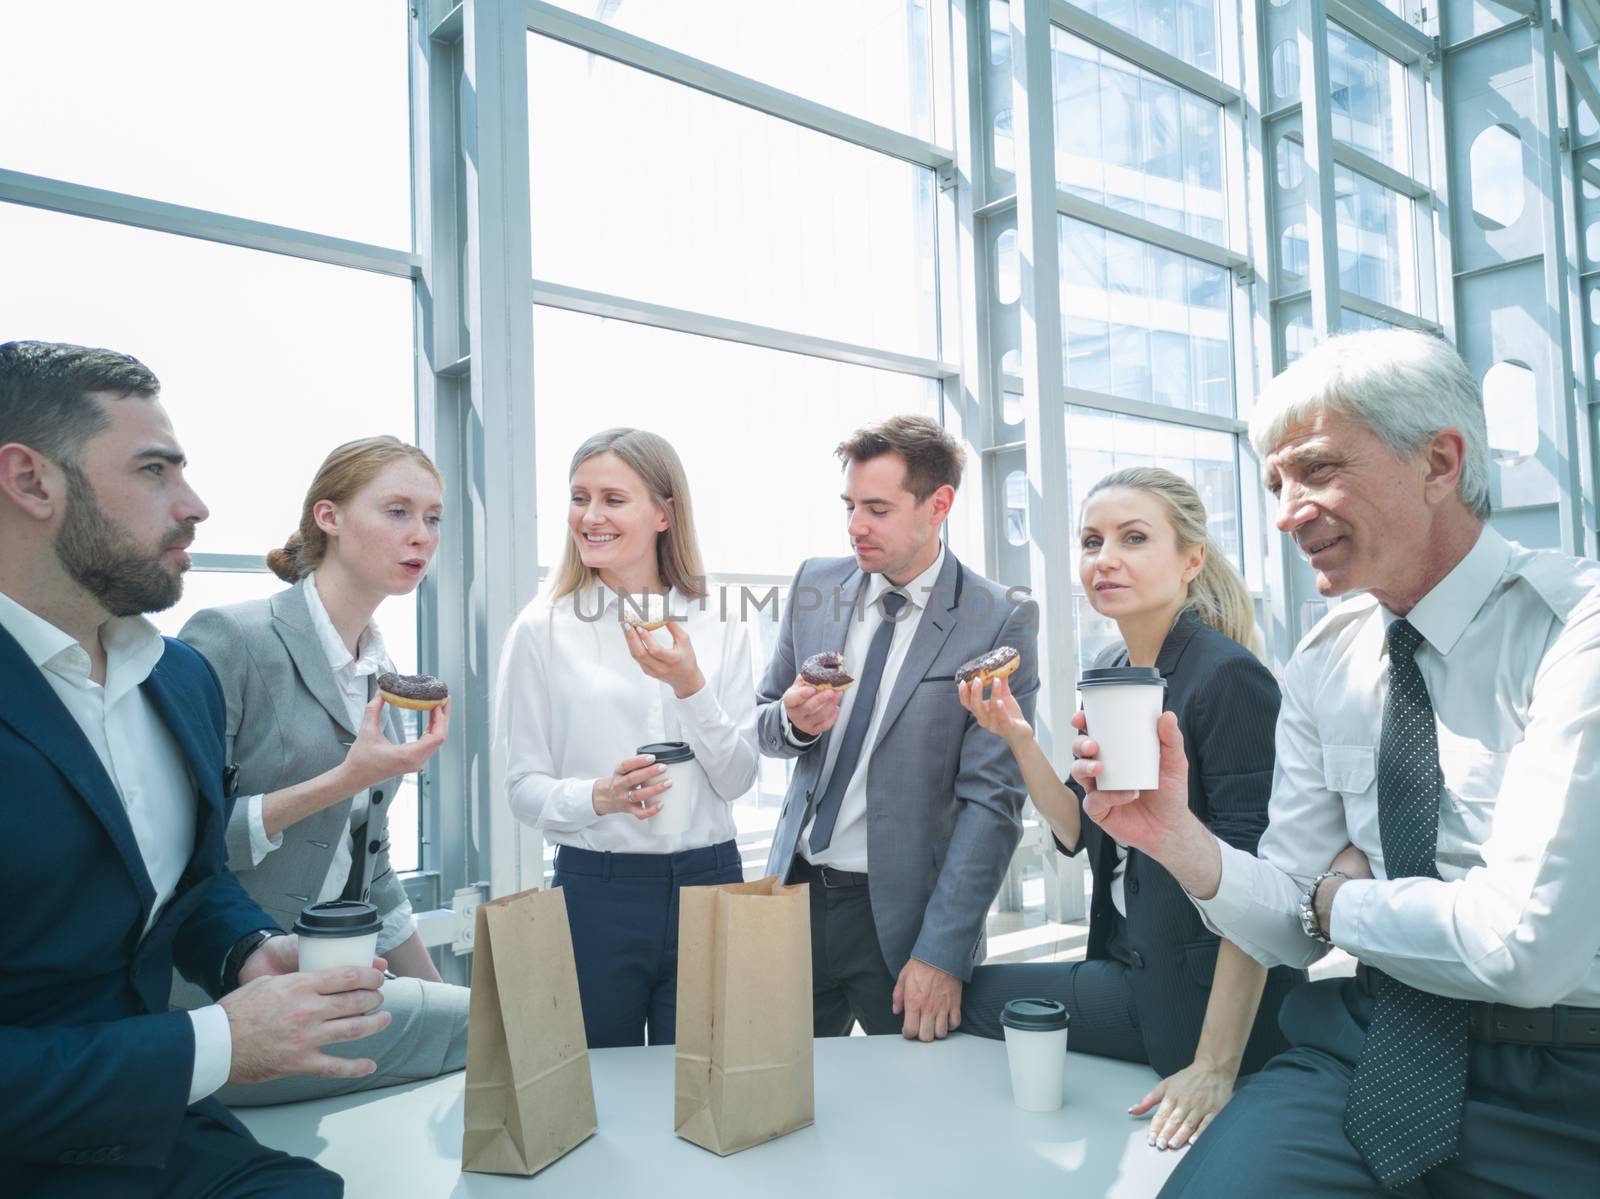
(811, 711)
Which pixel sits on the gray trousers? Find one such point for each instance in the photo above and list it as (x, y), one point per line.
(1531, 1126)
(426, 1037)
(849, 979)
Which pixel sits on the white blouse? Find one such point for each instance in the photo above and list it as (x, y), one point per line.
(572, 704)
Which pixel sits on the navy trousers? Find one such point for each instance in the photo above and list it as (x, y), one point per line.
(1531, 1125)
(623, 908)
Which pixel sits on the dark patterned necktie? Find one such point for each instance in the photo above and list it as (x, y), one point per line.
(1404, 1109)
(844, 766)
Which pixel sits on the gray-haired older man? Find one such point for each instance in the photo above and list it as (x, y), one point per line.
(1439, 747)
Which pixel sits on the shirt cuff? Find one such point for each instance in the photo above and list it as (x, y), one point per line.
(397, 928)
(260, 844)
(213, 1051)
(1232, 900)
(701, 707)
(1352, 905)
(796, 740)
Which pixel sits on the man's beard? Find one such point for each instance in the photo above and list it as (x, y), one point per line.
(104, 559)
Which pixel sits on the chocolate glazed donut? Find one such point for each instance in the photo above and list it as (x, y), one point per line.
(825, 671)
(420, 692)
(996, 664)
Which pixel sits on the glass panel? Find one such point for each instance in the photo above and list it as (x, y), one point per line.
(1187, 29)
(1498, 184)
(658, 192)
(868, 59)
(1377, 254)
(266, 362)
(1351, 321)
(710, 398)
(1511, 411)
(1144, 322)
(1367, 90)
(292, 114)
(1017, 508)
(1130, 140)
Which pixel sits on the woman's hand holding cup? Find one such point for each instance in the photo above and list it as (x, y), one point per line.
(634, 787)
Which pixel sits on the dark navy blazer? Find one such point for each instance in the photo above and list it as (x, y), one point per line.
(94, 1070)
(1226, 702)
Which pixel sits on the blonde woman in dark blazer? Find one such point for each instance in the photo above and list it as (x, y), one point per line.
(1158, 986)
(320, 757)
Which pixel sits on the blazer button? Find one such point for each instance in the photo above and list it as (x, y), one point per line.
(1133, 886)
(373, 848)
(377, 797)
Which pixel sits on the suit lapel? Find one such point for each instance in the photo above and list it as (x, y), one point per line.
(291, 619)
(30, 706)
(932, 632)
(187, 723)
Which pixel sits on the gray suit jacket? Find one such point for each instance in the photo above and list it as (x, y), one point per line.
(944, 798)
(287, 723)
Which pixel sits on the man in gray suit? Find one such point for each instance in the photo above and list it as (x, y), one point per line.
(902, 813)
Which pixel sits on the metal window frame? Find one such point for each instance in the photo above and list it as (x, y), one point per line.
(610, 42)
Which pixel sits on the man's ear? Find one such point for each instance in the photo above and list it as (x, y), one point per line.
(944, 499)
(1444, 456)
(30, 481)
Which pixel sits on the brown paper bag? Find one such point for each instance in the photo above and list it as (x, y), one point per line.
(744, 1014)
(529, 1095)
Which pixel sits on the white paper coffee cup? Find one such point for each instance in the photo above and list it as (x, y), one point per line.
(677, 801)
(1036, 1047)
(1121, 705)
(341, 932)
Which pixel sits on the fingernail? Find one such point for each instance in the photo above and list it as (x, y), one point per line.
(1161, 1142)
(648, 758)
(667, 786)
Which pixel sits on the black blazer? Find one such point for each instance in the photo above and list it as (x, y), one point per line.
(1226, 702)
(94, 1070)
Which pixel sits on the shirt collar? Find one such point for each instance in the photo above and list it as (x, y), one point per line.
(133, 646)
(370, 657)
(1444, 613)
(918, 591)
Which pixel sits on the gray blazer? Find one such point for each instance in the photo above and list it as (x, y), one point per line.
(287, 723)
(944, 798)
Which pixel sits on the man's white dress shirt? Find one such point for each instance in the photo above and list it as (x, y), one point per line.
(847, 849)
(350, 673)
(572, 704)
(145, 765)
(1512, 665)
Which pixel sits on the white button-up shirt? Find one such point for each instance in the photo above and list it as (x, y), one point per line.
(572, 704)
(847, 848)
(350, 674)
(145, 765)
(1512, 665)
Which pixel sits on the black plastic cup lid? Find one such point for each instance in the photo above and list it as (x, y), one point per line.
(338, 918)
(1106, 676)
(668, 752)
(1034, 1015)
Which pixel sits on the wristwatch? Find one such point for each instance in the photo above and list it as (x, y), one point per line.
(240, 954)
(1308, 907)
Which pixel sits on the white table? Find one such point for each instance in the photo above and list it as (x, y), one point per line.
(894, 1118)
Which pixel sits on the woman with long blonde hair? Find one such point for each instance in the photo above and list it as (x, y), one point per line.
(1157, 986)
(625, 739)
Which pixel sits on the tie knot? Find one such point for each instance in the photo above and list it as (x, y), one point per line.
(1403, 638)
(892, 602)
